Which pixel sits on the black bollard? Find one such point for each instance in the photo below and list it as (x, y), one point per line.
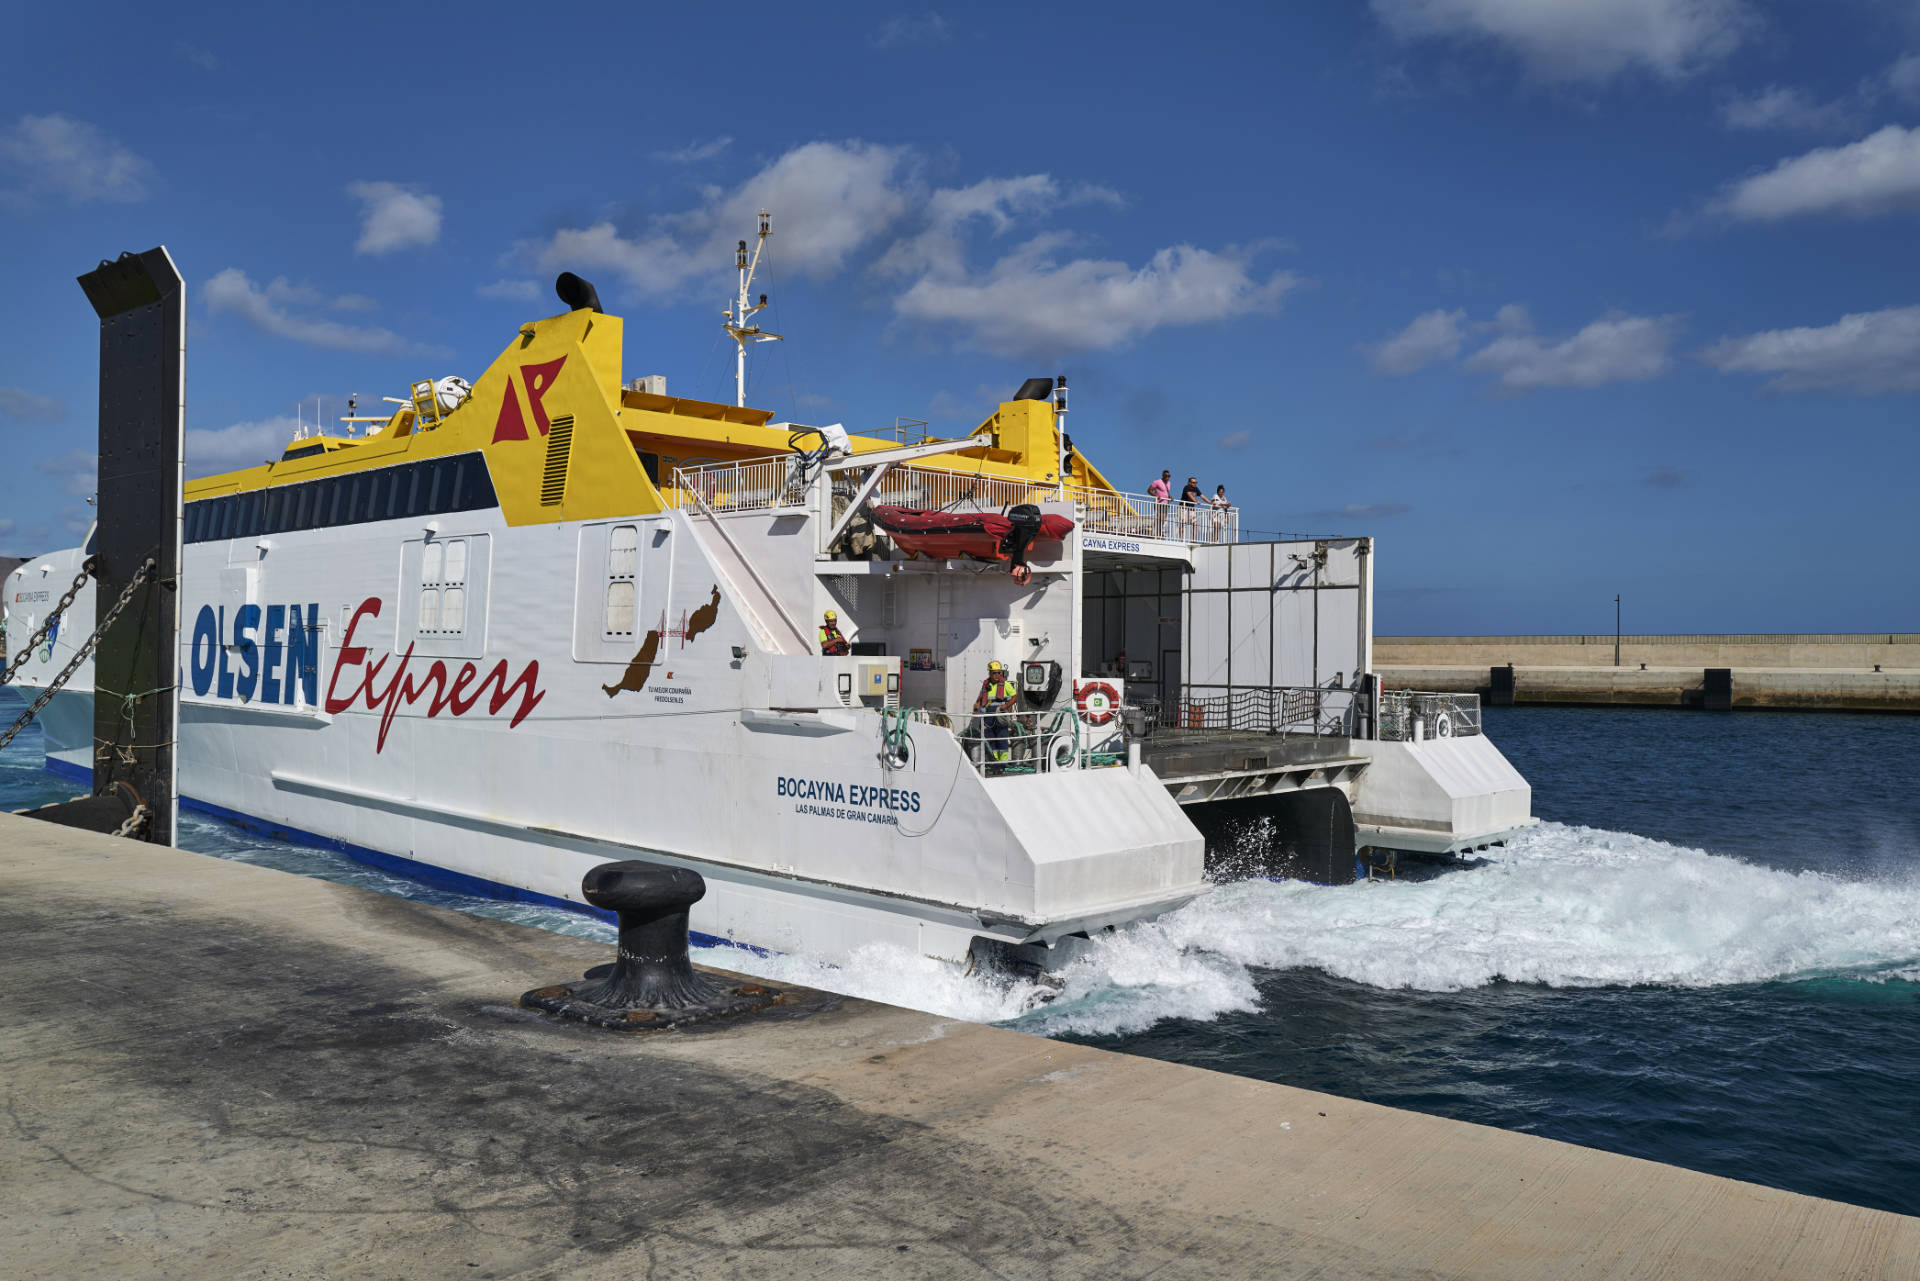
(651, 983)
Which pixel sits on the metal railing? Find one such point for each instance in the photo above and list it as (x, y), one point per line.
(1282, 709)
(737, 487)
(1016, 742)
(1410, 715)
(776, 482)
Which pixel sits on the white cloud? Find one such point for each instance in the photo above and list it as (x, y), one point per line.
(77, 471)
(26, 407)
(60, 156)
(1435, 336)
(1236, 440)
(267, 310)
(511, 290)
(1562, 41)
(996, 202)
(1788, 108)
(1363, 511)
(1615, 348)
(830, 198)
(694, 152)
(906, 29)
(205, 59)
(394, 217)
(1866, 353)
(213, 450)
(1903, 78)
(836, 200)
(1665, 476)
(1030, 304)
(1878, 174)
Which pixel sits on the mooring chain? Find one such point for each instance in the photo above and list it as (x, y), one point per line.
(136, 821)
(53, 618)
(86, 647)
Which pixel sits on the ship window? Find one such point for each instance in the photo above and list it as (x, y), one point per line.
(443, 583)
(430, 487)
(623, 560)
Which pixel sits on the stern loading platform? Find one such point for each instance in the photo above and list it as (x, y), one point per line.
(304, 1078)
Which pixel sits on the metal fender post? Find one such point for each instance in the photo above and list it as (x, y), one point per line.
(142, 304)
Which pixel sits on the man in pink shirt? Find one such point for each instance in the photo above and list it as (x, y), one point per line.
(1160, 492)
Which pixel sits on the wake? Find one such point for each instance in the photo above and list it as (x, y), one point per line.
(1560, 906)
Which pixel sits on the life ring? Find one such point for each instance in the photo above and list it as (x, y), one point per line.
(1442, 725)
(1097, 701)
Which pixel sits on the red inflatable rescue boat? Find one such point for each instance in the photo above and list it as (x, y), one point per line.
(987, 536)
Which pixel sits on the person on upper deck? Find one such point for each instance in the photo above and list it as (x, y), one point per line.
(1191, 500)
(831, 641)
(1160, 492)
(1222, 508)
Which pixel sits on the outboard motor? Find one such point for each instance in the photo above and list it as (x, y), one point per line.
(1026, 528)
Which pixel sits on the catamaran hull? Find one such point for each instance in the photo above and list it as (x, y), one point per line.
(519, 752)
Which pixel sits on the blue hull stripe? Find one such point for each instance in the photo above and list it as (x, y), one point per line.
(412, 869)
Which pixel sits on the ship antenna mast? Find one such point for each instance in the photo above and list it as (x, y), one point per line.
(739, 311)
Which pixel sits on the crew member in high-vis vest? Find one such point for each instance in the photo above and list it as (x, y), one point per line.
(831, 641)
(997, 700)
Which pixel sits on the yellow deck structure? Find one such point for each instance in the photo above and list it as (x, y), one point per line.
(566, 440)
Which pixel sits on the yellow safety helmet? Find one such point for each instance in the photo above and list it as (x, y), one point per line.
(994, 666)
(831, 616)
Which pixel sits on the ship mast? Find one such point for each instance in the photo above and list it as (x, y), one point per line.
(738, 313)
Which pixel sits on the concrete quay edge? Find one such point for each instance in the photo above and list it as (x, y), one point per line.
(215, 1069)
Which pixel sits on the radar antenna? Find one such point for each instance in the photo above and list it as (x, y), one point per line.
(739, 311)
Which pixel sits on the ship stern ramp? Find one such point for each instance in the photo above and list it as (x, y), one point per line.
(1104, 846)
(1439, 795)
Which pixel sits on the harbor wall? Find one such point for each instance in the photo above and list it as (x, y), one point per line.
(1836, 651)
(1831, 672)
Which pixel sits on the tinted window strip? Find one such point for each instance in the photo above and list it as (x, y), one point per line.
(430, 487)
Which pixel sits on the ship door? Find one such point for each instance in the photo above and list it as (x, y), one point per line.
(623, 582)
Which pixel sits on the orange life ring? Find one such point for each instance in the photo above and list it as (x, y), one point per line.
(1100, 713)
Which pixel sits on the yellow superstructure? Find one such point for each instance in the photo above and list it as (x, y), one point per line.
(565, 440)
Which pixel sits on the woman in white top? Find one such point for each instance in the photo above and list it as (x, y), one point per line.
(1220, 507)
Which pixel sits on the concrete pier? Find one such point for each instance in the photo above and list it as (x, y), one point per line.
(213, 1069)
(1835, 672)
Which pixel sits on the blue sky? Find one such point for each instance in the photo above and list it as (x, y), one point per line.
(1555, 298)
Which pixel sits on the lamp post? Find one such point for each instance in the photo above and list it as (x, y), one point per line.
(1616, 630)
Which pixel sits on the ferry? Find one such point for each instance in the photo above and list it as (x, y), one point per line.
(964, 696)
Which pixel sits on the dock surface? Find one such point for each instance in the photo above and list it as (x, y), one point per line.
(214, 1069)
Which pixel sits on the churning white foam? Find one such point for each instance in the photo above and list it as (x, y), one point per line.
(1560, 906)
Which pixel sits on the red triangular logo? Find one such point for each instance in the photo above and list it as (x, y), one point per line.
(510, 425)
(539, 382)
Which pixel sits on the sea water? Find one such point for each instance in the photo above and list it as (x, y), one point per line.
(1708, 953)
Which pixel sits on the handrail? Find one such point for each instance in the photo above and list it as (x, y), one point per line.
(799, 633)
(1021, 742)
(759, 484)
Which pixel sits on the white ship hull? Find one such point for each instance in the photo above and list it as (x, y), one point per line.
(496, 758)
